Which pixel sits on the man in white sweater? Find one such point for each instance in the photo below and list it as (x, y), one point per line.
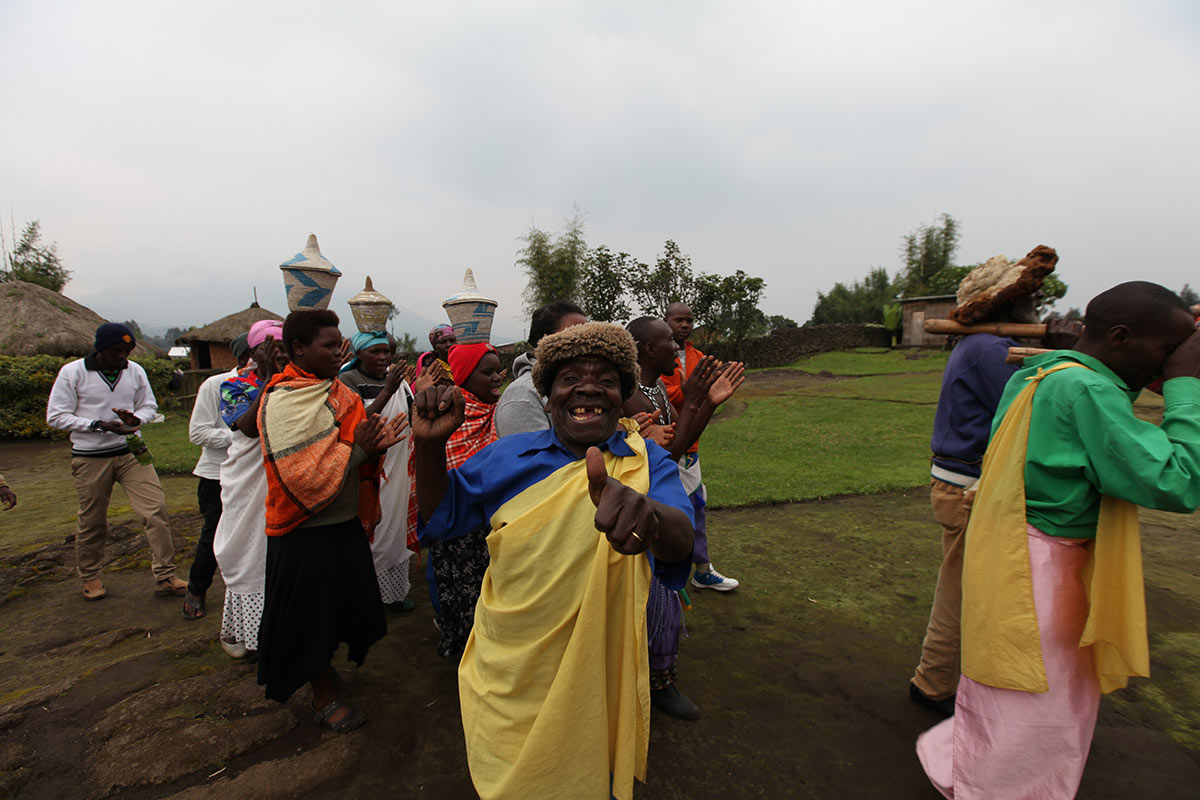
(102, 399)
(207, 430)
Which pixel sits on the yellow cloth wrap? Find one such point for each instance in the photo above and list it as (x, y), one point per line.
(554, 683)
(1001, 646)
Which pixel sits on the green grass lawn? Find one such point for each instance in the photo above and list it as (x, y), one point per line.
(874, 361)
(799, 447)
(168, 441)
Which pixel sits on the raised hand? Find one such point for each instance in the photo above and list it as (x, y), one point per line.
(695, 388)
(1061, 334)
(393, 430)
(437, 413)
(1185, 361)
(267, 358)
(439, 373)
(627, 518)
(732, 376)
(408, 372)
(391, 383)
(370, 435)
(346, 353)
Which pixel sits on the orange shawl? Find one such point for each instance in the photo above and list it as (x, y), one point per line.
(306, 425)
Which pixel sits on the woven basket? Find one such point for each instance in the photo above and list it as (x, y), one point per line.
(470, 312)
(370, 309)
(309, 278)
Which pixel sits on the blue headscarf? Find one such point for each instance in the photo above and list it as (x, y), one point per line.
(361, 341)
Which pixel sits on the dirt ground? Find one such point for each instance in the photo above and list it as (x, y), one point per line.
(801, 673)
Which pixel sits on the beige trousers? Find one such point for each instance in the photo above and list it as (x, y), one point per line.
(937, 674)
(94, 478)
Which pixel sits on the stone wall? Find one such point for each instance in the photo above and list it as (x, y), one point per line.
(786, 345)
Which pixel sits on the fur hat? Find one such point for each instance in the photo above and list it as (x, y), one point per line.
(596, 339)
(995, 284)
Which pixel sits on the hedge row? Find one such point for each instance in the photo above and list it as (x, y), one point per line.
(25, 383)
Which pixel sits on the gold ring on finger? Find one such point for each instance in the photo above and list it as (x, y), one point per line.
(634, 535)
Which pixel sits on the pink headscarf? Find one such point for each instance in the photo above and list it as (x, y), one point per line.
(263, 330)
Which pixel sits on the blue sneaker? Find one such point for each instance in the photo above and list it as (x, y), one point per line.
(713, 580)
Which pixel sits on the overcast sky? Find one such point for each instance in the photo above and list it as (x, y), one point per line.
(178, 153)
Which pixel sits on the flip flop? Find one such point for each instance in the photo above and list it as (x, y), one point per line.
(353, 719)
(193, 610)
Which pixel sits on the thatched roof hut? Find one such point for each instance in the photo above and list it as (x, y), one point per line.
(36, 320)
(210, 344)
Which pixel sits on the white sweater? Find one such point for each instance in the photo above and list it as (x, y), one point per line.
(81, 395)
(208, 430)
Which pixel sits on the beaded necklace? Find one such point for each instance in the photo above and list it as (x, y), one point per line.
(653, 394)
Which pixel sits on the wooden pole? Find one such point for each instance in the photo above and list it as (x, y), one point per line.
(1018, 329)
(1017, 355)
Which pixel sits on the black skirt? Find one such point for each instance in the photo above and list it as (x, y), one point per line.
(321, 590)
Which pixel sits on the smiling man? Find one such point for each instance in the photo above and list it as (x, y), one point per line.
(554, 684)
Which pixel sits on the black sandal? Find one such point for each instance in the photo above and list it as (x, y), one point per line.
(353, 719)
(193, 611)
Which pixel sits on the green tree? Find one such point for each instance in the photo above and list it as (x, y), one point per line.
(407, 343)
(552, 264)
(776, 321)
(947, 279)
(927, 251)
(1189, 295)
(860, 302)
(730, 305)
(31, 261)
(602, 280)
(671, 280)
(1053, 290)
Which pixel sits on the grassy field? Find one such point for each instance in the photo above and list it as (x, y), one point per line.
(168, 441)
(802, 673)
(789, 436)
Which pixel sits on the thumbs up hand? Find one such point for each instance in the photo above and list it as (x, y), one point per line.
(627, 518)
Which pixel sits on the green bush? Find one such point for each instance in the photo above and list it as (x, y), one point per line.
(25, 383)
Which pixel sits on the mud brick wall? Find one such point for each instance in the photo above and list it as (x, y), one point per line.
(785, 345)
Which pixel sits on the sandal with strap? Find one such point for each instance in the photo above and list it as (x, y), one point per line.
(194, 606)
(93, 589)
(353, 719)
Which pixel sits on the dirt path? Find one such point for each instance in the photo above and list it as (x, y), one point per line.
(801, 675)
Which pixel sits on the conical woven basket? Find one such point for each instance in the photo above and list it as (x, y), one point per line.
(309, 278)
(370, 309)
(470, 312)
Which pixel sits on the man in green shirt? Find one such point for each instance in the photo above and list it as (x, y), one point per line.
(1013, 736)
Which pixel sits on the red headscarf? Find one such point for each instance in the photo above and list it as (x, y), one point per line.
(464, 358)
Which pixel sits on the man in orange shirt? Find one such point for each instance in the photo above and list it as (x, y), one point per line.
(679, 317)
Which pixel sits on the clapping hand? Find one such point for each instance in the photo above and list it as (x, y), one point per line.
(730, 379)
(8, 498)
(695, 388)
(433, 375)
(626, 517)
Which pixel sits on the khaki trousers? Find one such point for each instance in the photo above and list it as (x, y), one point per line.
(937, 674)
(94, 478)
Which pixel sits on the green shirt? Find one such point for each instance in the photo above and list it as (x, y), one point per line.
(1084, 441)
